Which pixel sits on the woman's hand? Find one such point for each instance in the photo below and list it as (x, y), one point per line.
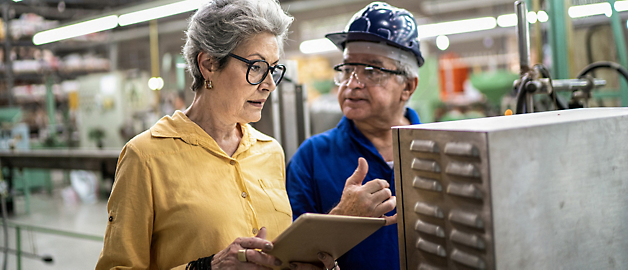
(244, 253)
(328, 261)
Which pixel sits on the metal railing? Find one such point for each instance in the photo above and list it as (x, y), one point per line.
(18, 241)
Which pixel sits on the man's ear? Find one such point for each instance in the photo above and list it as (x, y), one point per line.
(207, 64)
(409, 88)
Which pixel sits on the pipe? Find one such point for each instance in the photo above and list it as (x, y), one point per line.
(523, 36)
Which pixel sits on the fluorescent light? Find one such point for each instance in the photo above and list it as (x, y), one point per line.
(442, 42)
(456, 27)
(532, 17)
(317, 46)
(542, 16)
(159, 12)
(621, 5)
(75, 30)
(509, 20)
(590, 10)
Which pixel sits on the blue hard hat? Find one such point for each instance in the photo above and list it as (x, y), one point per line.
(380, 21)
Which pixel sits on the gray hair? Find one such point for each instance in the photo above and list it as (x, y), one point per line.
(219, 26)
(408, 71)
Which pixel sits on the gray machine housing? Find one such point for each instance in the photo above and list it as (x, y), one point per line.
(533, 191)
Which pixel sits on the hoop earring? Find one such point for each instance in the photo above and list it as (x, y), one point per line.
(208, 84)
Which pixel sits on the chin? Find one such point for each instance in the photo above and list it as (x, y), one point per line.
(253, 118)
(353, 114)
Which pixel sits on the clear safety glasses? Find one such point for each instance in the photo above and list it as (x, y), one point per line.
(258, 70)
(366, 74)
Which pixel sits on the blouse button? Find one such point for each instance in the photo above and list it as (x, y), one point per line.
(255, 230)
(232, 162)
(243, 194)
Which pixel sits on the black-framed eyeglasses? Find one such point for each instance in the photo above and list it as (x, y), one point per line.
(367, 74)
(258, 70)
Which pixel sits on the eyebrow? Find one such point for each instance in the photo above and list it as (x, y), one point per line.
(262, 57)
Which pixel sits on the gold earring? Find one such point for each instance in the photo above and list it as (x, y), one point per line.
(208, 84)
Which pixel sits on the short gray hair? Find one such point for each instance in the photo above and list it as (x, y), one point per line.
(219, 26)
(408, 71)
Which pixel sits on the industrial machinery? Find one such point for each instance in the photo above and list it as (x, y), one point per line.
(537, 80)
(533, 191)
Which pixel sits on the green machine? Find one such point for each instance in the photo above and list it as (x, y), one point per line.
(14, 136)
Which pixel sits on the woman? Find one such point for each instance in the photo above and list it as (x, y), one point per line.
(203, 189)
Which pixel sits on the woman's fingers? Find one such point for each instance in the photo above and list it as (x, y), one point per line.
(261, 258)
(328, 261)
(255, 243)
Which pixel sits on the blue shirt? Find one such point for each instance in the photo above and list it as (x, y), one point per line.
(316, 176)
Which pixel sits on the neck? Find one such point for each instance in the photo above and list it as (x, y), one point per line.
(226, 134)
(379, 132)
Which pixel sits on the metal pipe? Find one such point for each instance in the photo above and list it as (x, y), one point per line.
(523, 36)
(573, 84)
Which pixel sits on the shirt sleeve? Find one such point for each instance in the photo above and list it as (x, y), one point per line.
(130, 220)
(299, 182)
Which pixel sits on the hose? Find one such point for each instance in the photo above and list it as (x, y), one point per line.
(521, 94)
(604, 64)
(546, 74)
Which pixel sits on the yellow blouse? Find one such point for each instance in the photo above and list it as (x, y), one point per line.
(178, 196)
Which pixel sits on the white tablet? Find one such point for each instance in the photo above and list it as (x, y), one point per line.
(312, 233)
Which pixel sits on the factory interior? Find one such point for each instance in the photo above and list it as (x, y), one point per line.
(69, 104)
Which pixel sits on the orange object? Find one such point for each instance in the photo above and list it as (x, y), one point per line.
(508, 112)
(452, 75)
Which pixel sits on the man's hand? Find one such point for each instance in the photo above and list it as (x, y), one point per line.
(373, 199)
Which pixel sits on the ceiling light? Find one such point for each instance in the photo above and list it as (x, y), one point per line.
(621, 5)
(155, 83)
(456, 27)
(75, 30)
(159, 12)
(532, 17)
(542, 16)
(320, 45)
(509, 20)
(590, 10)
(442, 42)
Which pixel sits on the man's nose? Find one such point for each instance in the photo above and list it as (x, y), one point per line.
(356, 82)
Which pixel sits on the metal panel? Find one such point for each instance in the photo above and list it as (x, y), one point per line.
(560, 195)
(443, 214)
(551, 193)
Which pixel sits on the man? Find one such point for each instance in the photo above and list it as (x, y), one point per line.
(376, 79)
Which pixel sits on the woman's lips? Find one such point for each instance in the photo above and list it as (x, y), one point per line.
(257, 102)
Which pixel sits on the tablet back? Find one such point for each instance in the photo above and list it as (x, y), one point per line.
(312, 233)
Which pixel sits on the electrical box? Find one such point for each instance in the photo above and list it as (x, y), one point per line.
(533, 191)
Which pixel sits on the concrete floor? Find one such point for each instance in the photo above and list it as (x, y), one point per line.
(52, 211)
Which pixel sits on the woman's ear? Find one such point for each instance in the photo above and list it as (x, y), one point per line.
(409, 88)
(206, 64)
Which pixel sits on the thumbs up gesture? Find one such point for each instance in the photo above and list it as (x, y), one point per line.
(373, 199)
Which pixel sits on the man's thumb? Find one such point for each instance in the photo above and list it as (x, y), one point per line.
(358, 176)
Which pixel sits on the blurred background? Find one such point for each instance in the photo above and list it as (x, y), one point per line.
(70, 100)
